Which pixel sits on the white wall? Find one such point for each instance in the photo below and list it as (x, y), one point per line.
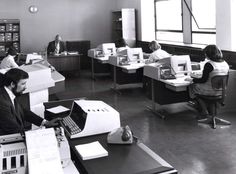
(226, 24)
(72, 19)
(223, 24)
(147, 20)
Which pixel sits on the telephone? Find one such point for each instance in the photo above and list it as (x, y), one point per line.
(121, 135)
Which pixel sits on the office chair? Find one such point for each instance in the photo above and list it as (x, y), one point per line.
(219, 83)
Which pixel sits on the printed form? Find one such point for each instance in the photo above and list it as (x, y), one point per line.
(43, 152)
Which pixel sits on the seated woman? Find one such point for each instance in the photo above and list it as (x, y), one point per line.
(203, 86)
(157, 52)
(9, 60)
(121, 45)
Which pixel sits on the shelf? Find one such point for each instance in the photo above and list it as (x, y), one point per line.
(8, 41)
(10, 29)
(123, 24)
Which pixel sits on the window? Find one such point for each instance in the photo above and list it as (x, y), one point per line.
(169, 20)
(204, 21)
(172, 12)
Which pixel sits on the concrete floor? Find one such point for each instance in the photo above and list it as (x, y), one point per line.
(189, 147)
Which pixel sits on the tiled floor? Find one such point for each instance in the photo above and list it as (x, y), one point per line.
(189, 147)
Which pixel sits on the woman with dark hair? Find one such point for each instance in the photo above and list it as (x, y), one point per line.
(214, 66)
(9, 60)
(121, 45)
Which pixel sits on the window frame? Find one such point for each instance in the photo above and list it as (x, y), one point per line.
(183, 2)
(167, 30)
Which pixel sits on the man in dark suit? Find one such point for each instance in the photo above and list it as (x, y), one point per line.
(56, 46)
(13, 116)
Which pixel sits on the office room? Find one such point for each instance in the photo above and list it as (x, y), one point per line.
(165, 124)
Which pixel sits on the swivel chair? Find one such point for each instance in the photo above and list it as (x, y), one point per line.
(219, 83)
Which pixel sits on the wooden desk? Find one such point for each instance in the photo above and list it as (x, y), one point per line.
(121, 159)
(65, 62)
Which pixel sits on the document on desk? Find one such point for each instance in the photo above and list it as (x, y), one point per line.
(43, 153)
(91, 150)
(58, 109)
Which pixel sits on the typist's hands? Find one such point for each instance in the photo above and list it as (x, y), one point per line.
(53, 122)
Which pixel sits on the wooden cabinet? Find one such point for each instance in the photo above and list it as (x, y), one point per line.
(124, 26)
(9, 35)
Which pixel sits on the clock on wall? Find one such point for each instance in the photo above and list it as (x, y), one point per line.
(33, 9)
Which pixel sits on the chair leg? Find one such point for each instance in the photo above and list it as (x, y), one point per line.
(205, 121)
(213, 122)
(222, 121)
(212, 119)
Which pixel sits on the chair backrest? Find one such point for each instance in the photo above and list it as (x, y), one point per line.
(220, 83)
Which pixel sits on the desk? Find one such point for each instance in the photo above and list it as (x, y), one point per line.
(65, 62)
(126, 74)
(164, 91)
(121, 159)
(99, 64)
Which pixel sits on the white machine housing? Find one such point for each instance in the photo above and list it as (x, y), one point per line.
(100, 118)
(132, 55)
(92, 52)
(108, 48)
(13, 156)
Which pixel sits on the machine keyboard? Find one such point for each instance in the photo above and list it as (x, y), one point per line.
(70, 125)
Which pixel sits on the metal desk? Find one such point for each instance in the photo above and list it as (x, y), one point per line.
(102, 61)
(126, 74)
(162, 91)
(125, 159)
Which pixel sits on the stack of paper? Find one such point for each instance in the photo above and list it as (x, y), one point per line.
(91, 150)
(58, 109)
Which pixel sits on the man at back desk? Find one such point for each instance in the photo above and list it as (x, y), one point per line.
(57, 46)
(13, 116)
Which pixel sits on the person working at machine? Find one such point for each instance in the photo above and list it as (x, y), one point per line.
(13, 116)
(121, 45)
(157, 52)
(203, 86)
(9, 60)
(56, 47)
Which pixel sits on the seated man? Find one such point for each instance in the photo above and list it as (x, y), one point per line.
(9, 60)
(56, 46)
(13, 116)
